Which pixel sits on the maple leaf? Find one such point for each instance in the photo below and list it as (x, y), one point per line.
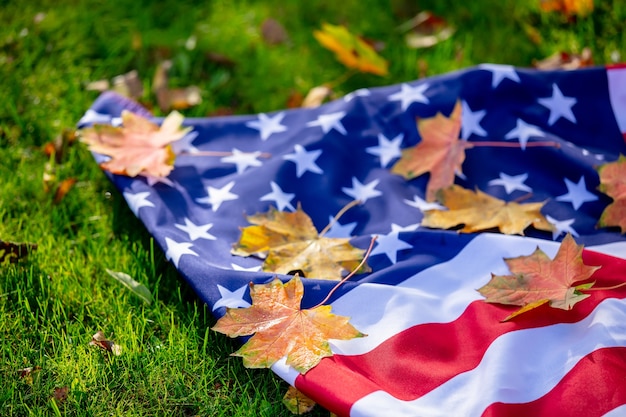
(139, 147)
(350, 50)
(536, 279)
(613, 183)
(480, 211)
(440, 152)
(290, 242)
(568, 7)
(281, 328)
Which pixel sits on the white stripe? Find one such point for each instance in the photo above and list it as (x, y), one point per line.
(518, 367)
(617, 412)
(617, 93)
(617, 249)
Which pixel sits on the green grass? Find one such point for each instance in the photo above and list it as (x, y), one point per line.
(54, 301)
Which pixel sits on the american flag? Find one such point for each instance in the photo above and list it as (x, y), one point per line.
(434, 347)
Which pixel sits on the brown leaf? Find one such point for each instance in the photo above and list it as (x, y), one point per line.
(128, 85)
(60, 145)
(568, 7)
(567, 61)
(60, 394)
(281, 328)
(290, 242)
(316, 96)
(273, 32)
(297, 402)
(13, 252)
(426, 30)
(479, 211)
(536, 279)
(176, 98)
(64, 187)
(440, 152)
(27, 373)
(100, 341)
(613, 183)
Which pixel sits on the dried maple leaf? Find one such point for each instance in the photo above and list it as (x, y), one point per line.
(297, 402)
(350, 50)
(281, 328)
(568, 7)
(479, 211)
(290, 242)
(139, 147)
(536, 279)
(99, 340)
(613, 183)
(440, 152)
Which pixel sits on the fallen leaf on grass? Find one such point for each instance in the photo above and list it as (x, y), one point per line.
(100, 341)
(350, 50)
(290, 242)
(613, 183)
(60, 145)
(316, 96)
(281, 328)
(568, 7)
(139, 147)
(478, 211)
(565, 60)
(536, 280)
(128, 85)
(173, 98)
(273, 32)
(60, 394)
(64, 187)
(440, 152)
(27, 373)
(426, 30)
(297, 402)
(137, 288)
(13, 252)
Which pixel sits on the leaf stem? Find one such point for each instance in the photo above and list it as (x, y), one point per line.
(350, 275)
(516, 144)
(623, 284)
(338, 216)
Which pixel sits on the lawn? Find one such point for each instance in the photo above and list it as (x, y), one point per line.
(52, 302)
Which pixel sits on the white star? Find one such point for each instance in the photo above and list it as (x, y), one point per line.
(362, 192)
(268, 125)
(305, 161)
(196, 231)
(422, 205)
(231, 299)
(339, 230)
(408, 95)
(184, 143)
(500, 72)
(243, 160)
(577, 194)
(562, 226)
(512, 183)
(471, 122)
(137, 201)
(361, 92)
(387, 149)
(218, 195)
(93, 117)
(524, 131)
(559, 105)
(330, 121)
(390, 244)
(241, 268)
(177, 249)
(281, 198)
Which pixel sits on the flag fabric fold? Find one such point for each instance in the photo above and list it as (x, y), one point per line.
(433, 346)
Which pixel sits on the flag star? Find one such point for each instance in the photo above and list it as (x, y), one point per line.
(175, 250)
(471, 122)
(231, 299)
(218, 195)
(387, 149)
(409, 228)
(500, 72)
(408, 95)
(524, 131)
(241, 268)
(422, 205)
(559, 106)
(561, 226)
(282, 199)
(196, 231)
(512, 182)
(137, 201)
(184, 143)
(330, 121)
(268, 125)
(362, 192)
(577, 194)
(361, 92)
(339, 230)
(305, 161)
(243, 160)
(93, 117)
(390, 244)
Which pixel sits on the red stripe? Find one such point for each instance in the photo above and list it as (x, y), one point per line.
(417, 360)
(592, 388)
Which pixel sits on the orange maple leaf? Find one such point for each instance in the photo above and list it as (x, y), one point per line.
(281, 327)
(568, 7)
(138, 147)
(613, 183)
(479, 211)
(440, 152)
(536, 279)
(290, 242)
(350, 50)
